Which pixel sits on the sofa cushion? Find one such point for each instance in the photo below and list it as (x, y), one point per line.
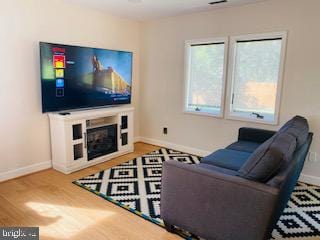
(268, 158)
(296, 162)
(244, 146)
(227, 158)
(297, 127)
(218, 169)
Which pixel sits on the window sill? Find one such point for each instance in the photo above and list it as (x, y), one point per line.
(207, 114)
(254, 120)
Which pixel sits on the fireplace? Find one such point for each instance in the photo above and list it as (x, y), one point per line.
(102, 141)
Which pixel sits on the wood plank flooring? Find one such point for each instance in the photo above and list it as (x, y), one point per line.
(62, 210)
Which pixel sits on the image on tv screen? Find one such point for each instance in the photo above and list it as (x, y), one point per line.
(79, 77)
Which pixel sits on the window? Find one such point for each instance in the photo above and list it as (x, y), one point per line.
(255, 67)
(255, 72)
(205, 76)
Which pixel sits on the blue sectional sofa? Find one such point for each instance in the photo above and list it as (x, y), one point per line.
(237, 193)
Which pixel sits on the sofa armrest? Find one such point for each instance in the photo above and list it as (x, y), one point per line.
(254, 134)
(213, 205)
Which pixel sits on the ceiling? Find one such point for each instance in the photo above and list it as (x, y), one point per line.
(152, 9)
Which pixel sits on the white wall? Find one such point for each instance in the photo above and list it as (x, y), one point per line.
(24, 130)
(24, 139)
(162, 71)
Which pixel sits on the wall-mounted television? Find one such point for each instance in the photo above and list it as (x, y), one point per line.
(74, 77)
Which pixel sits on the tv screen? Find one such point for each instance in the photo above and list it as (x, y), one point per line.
(80, 77)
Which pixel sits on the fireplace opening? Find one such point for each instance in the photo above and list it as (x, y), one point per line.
(102, 141)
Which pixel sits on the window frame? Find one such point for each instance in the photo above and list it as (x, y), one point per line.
(187, 78)
(242, 116)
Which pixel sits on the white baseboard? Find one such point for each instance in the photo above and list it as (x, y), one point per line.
(175, 146)
(309, 179)
(136, 139)
(47, 164)
(25, 170)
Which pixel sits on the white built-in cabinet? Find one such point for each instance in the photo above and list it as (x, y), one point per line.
(85, 138)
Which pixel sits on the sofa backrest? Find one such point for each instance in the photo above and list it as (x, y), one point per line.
(298, 158)
(269, 157)
(287, 178)
(276, 153)
(297, 127)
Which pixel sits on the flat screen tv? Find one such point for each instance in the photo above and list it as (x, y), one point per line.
(75, 77)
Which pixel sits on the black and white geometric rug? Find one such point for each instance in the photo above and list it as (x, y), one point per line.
(136, 186)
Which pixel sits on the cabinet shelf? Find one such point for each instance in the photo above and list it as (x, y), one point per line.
(76, 131)
(102, 121)
(77, 151)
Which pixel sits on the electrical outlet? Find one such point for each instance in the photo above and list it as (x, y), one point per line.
(165, 131)
(312, 157)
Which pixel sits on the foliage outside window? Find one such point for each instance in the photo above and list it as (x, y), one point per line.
(254, 66)
(205, 73)
(255, 77)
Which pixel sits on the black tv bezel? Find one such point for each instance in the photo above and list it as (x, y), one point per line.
(84, 107)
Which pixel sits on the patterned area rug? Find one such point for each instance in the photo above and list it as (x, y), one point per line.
(136, 186)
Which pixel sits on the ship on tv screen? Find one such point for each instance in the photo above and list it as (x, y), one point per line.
(79, 77)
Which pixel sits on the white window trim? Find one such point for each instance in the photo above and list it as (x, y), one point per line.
(231, 67)
(188, 44)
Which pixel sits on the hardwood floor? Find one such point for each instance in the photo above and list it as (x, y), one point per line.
(62, 210)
